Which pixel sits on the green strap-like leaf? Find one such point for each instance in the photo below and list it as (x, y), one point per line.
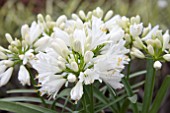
(22, 91)
(160, 95)
(22, 108)
(32, 99)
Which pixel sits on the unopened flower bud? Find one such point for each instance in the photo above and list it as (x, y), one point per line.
(157, 65)
(99, 12)
(82, 14)
(74, 16)
(77, 46)
(61, 19)
(40, 18)
(48, 18)
(89, 14)
(138, 43)
(2, 55)
(74, 66)
(167, 57)
(127, 38)
(134, 20)
(2, 49)
(71, 78)
(137, 53)
(8, 37)
(24, 31)
(150, 50)
(108, 15)
(88, 56)
(157, 43)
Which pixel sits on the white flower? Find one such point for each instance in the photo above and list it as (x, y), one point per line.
(77, 91)
(24, 76)
(166, 39)
(110, 64)
(5, 76)
(157, 65)
(136, 29)
(42, 43)
(31, 34)
(52, 84)
(152, 32)
(46, 63)
(27, 56)
(97, 33)
(89, 76)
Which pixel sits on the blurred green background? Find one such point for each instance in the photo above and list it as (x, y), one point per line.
(15, 13)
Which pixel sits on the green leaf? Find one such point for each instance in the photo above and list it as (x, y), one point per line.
(160, 95)
(137, 74)
(111, 103)
(32, 99)
(149, 86)
(23, 108)
(133, 98)
(102, 98)
(21, 91)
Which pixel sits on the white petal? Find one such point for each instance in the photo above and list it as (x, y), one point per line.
(24, 76)
(4, 77)
(77, 91)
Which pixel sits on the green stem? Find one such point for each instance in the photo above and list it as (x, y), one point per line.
(130, 94)
(34, 85)
(53, 104)
(92, 99)
(84, 104)
(65, 103)
(129, 89)
(149, 86)
(128, 70)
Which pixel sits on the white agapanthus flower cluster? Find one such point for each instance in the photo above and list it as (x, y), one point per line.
(21, 51)
(82, 49)
(146, 42)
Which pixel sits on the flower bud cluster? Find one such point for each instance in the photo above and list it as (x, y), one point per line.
(145, 42)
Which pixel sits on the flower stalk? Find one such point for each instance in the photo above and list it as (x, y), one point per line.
(149, 86)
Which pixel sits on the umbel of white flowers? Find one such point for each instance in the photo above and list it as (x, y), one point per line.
(83, 49)
(145, 42)
(21, 51)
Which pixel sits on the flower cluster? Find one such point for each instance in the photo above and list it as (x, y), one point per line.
(83, 49)
(78, 51)
(145, 42)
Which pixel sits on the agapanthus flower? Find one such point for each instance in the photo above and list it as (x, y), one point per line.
(21, 51)
(82, 52)
(145, 42)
